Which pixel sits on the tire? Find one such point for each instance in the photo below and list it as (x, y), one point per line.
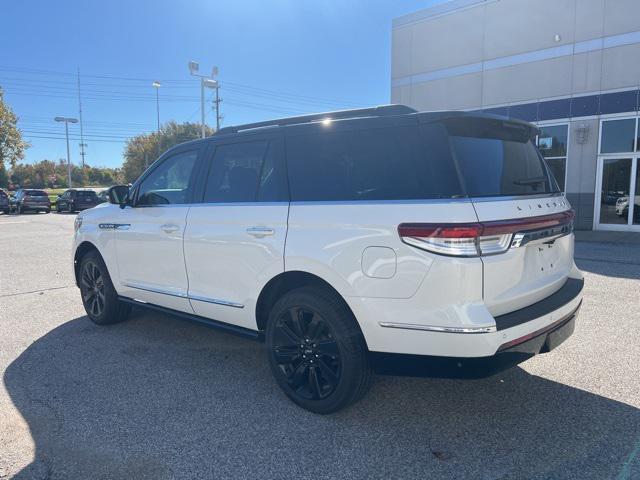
(19, 210)
(58, 209)
(48, 210)
(99, 298)
(316, 350)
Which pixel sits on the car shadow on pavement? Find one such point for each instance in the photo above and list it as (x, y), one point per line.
(158, 398)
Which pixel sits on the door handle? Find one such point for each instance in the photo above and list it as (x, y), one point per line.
(169, 228)
(260, 232)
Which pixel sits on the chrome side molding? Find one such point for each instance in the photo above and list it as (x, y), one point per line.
(171, 293)
(430, 328)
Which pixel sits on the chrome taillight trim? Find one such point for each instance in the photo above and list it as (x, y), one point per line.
(474, 239)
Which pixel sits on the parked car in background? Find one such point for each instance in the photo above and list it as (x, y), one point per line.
(76, 199)
(5, 206)
(346, 237)
(31, 200)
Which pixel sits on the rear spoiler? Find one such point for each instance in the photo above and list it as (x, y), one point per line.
(479, 123)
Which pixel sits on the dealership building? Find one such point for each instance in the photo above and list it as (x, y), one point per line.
(572, 67)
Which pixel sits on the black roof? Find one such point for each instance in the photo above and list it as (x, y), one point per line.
(364, 113)
(382, 111)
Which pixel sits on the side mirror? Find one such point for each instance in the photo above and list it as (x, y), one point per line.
(118, 195)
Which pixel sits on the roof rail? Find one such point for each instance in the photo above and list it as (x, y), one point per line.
(379, 111)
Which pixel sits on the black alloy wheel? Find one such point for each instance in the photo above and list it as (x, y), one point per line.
(316, 350)
(307, 353)
(99, 297)
(92, 287)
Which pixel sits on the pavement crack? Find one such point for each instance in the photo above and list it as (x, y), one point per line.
(35, 291)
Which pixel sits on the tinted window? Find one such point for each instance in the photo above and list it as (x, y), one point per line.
(169, 182)
(87, 194)
(393, 163)
(618, 136)
(36, 193)
(245, 172)
(497, 158)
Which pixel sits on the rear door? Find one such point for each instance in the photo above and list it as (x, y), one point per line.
(234, 240)
(512, 191)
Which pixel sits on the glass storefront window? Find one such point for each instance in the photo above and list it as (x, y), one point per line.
(618, 136)
(636, 203)
(552, 140)
(552, 143)
(614, 199)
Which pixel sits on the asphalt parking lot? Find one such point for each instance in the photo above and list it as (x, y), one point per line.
(157, 397)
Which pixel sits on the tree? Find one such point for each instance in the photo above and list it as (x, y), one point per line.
(50, 174)
(12, 146)
(4, 177)
(142, 150)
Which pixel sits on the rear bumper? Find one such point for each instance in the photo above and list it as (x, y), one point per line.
(506, 357)
(475, 332)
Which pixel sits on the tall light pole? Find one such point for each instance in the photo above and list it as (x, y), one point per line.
(157, 86)
(67, 121)
(205, 81)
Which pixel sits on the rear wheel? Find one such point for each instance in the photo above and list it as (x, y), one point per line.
(316, 350)
(99, 298)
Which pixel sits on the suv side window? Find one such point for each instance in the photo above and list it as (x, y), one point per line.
(245, 172)
(393, 163)
(170, 182)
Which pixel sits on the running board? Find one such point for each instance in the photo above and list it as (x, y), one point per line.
(225, 327)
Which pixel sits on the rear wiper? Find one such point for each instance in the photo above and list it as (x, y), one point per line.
(530, 181)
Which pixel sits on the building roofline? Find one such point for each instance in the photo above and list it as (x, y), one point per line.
(447, 7)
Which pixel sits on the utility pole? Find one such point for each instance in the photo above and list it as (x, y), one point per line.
(67, 121)
(82, 144)
(157, 86)
(217, 102)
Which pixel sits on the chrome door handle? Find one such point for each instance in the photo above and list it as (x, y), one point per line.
(170, 228)
(260, 232)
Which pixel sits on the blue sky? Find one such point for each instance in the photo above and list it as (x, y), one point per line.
(276, 58)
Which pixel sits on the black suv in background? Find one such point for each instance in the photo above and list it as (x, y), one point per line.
(27, 199)
(75, 199)
(4, 202)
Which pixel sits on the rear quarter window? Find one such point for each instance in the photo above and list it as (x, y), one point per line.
(390, 163)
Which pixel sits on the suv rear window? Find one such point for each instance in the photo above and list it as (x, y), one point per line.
(391, 163)
(498, 158)
(87, 194)
(35, 193)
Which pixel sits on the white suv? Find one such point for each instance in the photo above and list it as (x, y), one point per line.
(345, 238)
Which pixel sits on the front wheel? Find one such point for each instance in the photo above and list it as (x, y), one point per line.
(99, 298)
(316, 350)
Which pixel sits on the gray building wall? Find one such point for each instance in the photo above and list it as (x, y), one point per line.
(479, 54)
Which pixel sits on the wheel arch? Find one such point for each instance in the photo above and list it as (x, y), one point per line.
(82, 249)
(284, 283)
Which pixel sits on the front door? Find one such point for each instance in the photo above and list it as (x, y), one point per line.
(234, 240)
(618, 205)
(150, 233)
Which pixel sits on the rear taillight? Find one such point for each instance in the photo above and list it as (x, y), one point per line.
(486, 238)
